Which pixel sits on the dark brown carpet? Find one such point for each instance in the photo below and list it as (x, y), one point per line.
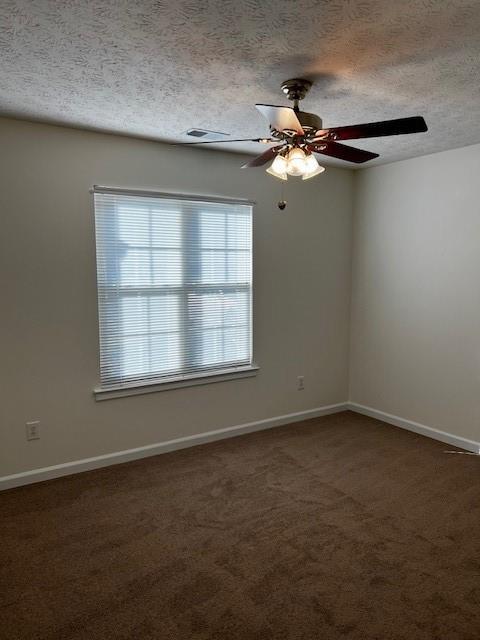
(339, 527)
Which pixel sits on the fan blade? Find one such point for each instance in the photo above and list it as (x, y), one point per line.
(342, 152)
(281, 118)
(262, 140)
(397, 127)
(264, 157)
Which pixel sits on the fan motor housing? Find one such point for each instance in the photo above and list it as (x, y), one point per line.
(309, 121)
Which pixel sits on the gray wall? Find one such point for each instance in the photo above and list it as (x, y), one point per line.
(49, 334)
(415, 326)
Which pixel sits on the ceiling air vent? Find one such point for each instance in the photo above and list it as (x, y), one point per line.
(205, 134)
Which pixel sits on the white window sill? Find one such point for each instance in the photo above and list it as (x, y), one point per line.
(178, 382)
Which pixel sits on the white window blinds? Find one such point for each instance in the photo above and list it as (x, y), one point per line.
(174, 286)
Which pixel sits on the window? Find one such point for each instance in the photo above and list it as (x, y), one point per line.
(174, 286)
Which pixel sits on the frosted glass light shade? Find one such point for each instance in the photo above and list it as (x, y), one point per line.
(296, 162)
(312, 168)
(278, 168)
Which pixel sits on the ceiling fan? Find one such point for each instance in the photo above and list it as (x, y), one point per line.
(299, 135)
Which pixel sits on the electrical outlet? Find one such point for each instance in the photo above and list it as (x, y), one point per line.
(300, 383)
(33, 430)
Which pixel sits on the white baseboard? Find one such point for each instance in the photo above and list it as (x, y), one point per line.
(87, 464)
(429, 432)
(108, 459)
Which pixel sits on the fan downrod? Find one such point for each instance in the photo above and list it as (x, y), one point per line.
(296, 89)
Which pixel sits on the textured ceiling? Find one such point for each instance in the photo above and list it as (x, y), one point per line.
(155, 69)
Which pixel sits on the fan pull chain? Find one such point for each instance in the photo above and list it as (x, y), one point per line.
(282, 203)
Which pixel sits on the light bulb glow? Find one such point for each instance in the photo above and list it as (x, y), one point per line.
(278, 168)
(296, 162)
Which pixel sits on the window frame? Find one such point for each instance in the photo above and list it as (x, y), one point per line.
(203, 375)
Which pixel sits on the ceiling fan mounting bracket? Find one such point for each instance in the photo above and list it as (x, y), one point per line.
(296, 89)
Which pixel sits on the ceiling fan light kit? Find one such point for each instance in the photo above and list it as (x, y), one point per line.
(298, 135)
(294, 162)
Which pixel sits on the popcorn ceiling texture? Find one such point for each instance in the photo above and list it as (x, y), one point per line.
(155, 69)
